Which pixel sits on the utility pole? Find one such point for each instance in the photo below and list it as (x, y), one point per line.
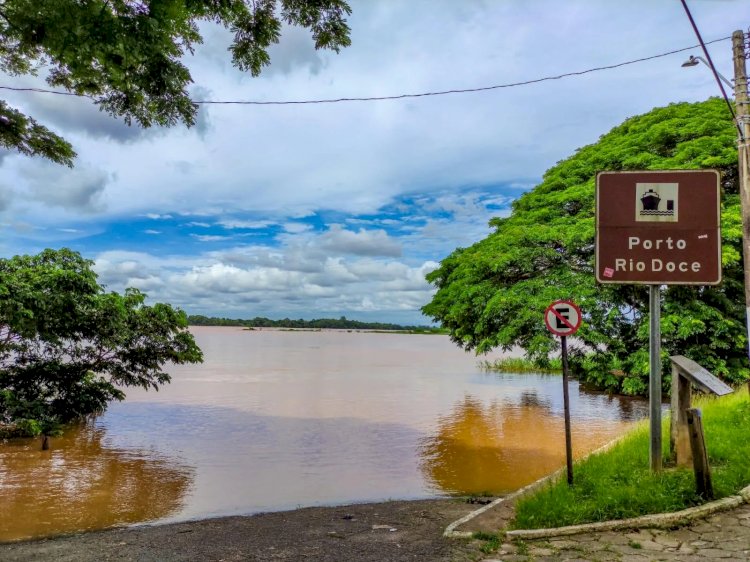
(742, 110)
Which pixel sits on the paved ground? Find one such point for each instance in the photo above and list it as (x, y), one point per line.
(397, 531)
(725, 536)
(386, 532)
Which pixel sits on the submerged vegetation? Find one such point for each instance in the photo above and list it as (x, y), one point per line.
(68, 348)
(522, 365)
(493, 293)
(618, 483)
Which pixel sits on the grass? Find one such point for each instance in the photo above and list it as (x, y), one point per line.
(618, 483)
(522, 548)
(418, 331)
(491, 541)
(521, 365)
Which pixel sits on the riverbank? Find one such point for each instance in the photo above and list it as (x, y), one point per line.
(394, 531)
(619, 483)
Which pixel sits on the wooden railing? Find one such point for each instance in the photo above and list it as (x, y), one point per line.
(686, 442)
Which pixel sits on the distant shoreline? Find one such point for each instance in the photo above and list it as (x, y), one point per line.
(431, 332)
(259, 323)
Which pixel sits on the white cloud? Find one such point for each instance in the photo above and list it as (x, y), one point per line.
(210, 237)
(6, 195)
(245, 224)
(296, 227)
(276, 177)
(361, 243)
(300, 278)
(356, 157)
(79, 190)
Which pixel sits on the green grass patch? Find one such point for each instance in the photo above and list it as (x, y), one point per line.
(521, 365)
(618, 483)
(418, 331)
(522, 547)
(491, 541)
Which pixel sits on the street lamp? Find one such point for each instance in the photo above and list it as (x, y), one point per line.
(742, 121)
(693, 61)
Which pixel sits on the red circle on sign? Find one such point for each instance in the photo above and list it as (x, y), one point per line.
(564, 326)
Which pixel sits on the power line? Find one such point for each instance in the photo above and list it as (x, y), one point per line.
(402, 96)
(713, 68)
(463, 90)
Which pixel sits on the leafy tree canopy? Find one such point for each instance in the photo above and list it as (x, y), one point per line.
(126, 55)
(68, 348)
(493, 294)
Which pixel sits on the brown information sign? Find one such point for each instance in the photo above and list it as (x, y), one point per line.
(658, 227)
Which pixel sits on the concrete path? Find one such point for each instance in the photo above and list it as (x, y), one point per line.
(724, 536)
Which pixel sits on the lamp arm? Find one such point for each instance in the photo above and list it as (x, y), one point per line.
(723, 78)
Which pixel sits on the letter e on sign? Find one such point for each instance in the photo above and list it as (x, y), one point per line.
(563, 318)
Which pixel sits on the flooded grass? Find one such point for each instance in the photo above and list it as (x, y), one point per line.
(521, 365)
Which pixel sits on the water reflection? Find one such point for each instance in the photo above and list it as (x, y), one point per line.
(81, 484)
(503, 445)
(249, 463)
(276, 420)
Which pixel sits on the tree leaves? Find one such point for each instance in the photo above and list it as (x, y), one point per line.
(127, 56)
(19, 132)
(67, 347)
(493, 293)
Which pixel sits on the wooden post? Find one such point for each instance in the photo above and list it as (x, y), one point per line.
(566, 405)
(743, 153)
(700, 456)
(687, 375)
(45, 442)
(674, 409)
(679, 439)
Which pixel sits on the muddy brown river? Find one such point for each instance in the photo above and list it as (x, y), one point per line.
(275, 420)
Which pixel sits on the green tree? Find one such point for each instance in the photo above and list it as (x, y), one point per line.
(493, 294)
(68, 348)
(126, 55)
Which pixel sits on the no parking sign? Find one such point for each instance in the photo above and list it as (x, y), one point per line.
(563, 318)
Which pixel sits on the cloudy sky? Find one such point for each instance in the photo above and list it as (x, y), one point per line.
(325, 210)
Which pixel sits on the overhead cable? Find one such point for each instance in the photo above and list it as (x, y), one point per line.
(401, 96)
(713, 67)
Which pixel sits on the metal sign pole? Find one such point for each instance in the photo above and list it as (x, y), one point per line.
(566, 403)
(654, 387)
(660, 227)
(563, 318)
